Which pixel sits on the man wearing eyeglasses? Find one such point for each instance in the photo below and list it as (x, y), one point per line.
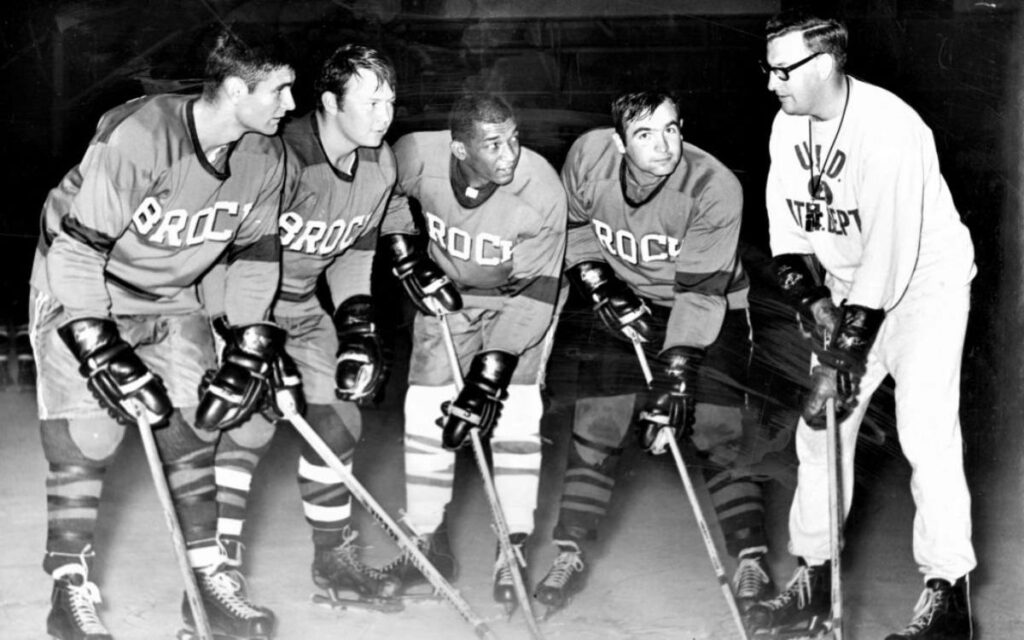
(854, 186)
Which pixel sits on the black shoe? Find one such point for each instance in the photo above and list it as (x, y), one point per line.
(942, 613)
(805, 605)
(437, 548)
(752, 583)
(73, 613)
(564, 579)
(339, 569)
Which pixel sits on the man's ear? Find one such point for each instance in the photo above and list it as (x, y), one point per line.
(236, 88)
(619, 144)
(329, 101)
(458, 150)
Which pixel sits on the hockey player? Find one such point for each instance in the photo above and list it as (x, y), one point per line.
(495, 220)
(168, 184)
(854, 182)
(653, 229)
(339, 177)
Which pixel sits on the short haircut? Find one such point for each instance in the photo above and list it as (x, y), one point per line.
(473, 108)
(347, 61)
(638, 104)
(247, 52)
(824, 35)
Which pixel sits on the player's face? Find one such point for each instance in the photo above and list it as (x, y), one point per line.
(653, 144)
(492, 154)
(262, 108)
(367, 110)
(798, 94)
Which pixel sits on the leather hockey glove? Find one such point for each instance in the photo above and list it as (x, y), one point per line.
(842, 364)
(114, 373)
(229, 396)
(284, 376)
(672, 403)
(428, 286)
(812, 300)
(361, 365)
(480, 402)
(621, 310)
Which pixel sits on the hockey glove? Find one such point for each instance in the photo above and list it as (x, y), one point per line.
(842, 364)
(361, 367)
(230, 395)
(427, 285)
(813, 301)
(621, 310)
(479, 403)
(284, 376)
(673, 400)
(114, 373)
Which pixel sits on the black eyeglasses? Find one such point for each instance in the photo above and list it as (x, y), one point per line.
(782, 73)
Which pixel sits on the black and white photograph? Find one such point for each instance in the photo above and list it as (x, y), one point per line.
(512, 319)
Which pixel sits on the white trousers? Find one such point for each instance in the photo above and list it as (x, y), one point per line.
(920, 344)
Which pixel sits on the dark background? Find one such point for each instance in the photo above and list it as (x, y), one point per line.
(559, 63)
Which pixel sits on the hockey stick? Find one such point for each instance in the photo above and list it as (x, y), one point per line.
(287, 405)
(497, 513)
(163, 492)
(666, 435)
(638, 349)
(702, 524)
(835, 507)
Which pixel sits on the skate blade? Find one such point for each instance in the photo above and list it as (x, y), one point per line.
(191, 634)
(510, 610)
(337, 601)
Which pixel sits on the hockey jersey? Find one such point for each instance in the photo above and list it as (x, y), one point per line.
(502, 253)
(330, 219)
(145, 214)
(677, 249)
(882, 221)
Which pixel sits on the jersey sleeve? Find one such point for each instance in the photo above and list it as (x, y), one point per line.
(398, 217)
(581, 243)
(892, 205)
(534, 283)
(253, 271)
(786, 233)
(98, 215)
(706, 263)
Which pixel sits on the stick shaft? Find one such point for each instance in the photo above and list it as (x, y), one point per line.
(836, 508)
(702, 524)
(163, 492)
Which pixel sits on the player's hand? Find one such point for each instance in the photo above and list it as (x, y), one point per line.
(620, 309)
(284, 379)
(229, 395)
(672, 403)
(480, 402)
(827, 383)
(427, 285)
(114, 373)
(361, 368)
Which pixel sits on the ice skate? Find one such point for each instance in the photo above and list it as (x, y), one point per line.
(752, 583)
(504, 583)
(73, 613)
(942, 613)
(413, 584)
(564, 579)
(350, 583)
(800, 612)
(230, 613)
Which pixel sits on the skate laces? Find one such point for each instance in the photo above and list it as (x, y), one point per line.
(226, 588)
(83, 597)
(347, 553)
(567, 562)
(799, 588)
(503, 569)
(924, 610)
(750, 578)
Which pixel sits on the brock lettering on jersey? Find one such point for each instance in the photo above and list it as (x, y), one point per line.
(316, 236)
(484, 249)
(650, 247)
(178, 227)
(811, 216)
